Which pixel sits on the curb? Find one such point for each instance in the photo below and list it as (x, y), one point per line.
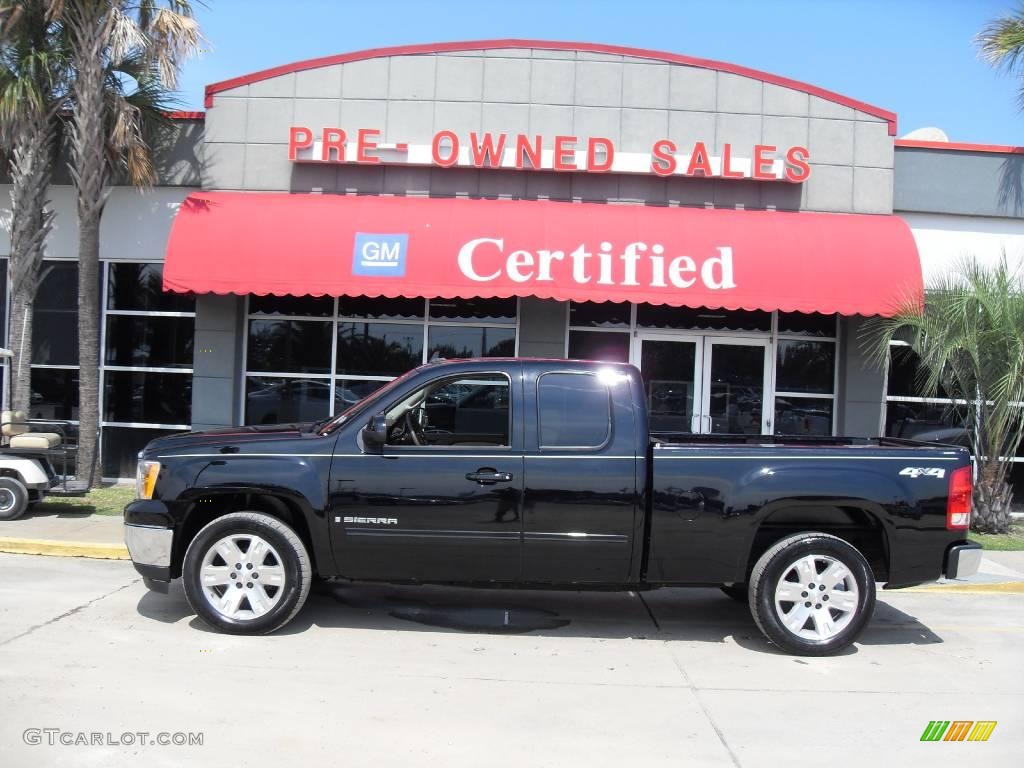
(64, 549)
(1005, 587)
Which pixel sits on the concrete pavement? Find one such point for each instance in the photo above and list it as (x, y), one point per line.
(398, 676)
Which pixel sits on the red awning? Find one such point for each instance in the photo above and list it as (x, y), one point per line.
(250, 242)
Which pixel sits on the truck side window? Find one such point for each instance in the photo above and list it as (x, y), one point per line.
(462, 411)
(574, 411)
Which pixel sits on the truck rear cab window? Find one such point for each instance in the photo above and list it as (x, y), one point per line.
(574, 411)
(470, 410)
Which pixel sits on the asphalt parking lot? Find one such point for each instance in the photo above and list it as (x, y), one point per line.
(399, 676)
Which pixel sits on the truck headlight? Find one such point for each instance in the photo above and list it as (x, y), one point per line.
(145, 479)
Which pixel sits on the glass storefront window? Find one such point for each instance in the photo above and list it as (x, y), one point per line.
(454, 342)
(150, 341)
(805, 366)
(139, 287)
(54, 394)
(933, 422)
(366, 308)
(147, 397)
(308, 306)
(597, 345)
(474, 310)
(807, 324)
(371, 341)
(905, 376)
(270, 400)
(55, 317)
(593, 314)
(378, 349)
(293, 346)
(803, 415)
(121, 446)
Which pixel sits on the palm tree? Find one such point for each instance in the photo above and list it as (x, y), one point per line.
(1001, 43)
(33, 90)
(970, 342)
(126, 56)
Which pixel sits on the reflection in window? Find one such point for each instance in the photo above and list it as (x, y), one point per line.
(139, 287)
(310, 306)
(474, 310)
(574, 410)
(932, 422)
(55, 316)
(147, 397)
(803, 415)
(54, 394)
(151, 341)
(596, 345)
(378, 349)
(805, 366)
(298, 346)
(454, 342)
(592, 314)
(271, 400)
(702, 318)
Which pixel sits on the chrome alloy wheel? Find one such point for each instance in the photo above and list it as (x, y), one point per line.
(242, 576)
(817, 597)
(7, 500)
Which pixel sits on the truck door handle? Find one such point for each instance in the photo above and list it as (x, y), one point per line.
(488, 476)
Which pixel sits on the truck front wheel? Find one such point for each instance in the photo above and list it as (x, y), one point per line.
(812, 594)
(246, 573)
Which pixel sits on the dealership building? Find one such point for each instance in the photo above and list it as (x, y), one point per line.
(325, 226)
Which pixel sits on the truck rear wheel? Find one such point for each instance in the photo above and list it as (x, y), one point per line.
(246, 573)
(812, 594)
(13, 498)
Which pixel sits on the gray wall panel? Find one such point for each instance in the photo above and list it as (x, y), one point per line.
(542, 327)
(964, 183)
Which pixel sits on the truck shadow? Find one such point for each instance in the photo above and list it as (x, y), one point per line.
(695, 614)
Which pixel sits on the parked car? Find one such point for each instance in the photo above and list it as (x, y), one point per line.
(511, 472)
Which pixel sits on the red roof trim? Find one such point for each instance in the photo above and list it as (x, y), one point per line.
(186, 115)
(615, 50)
(954, 146)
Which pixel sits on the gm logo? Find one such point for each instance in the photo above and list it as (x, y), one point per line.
(379, 255)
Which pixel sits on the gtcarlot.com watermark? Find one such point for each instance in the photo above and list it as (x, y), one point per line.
(53, 737)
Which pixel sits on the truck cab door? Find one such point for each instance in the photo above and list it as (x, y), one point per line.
(584, 485)
(442, 500)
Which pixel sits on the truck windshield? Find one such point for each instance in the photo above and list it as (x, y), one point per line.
(329, 425)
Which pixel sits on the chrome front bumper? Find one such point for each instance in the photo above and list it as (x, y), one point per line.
(962, 560)
(149, 544)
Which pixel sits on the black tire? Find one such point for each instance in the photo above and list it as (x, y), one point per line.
(13, 498)
(781, 560)
(293, 557)
(737, 592)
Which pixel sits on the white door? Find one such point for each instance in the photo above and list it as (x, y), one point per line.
(735, 386)
(671, 367)
(704, 384)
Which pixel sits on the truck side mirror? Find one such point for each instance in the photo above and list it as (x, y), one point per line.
(375, 433)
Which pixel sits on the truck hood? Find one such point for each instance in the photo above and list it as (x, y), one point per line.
(281, 436)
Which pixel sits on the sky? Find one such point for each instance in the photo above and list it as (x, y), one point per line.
(916, 58)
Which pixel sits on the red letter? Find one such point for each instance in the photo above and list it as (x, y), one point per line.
(664, 162)
(364, 142)
(727, 172)
(797, 169)
(699, 160)
(532, 151)
(565, 157)
(298, 138)
(609, 154)
(334, 138)
(759, 170)
(453, 154)
(486, 152)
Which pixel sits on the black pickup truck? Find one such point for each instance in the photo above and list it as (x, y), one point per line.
(534, 473)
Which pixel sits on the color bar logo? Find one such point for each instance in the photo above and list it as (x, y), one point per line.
(379, 255)
(958, 730)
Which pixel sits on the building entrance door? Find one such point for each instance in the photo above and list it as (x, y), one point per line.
(705, 384)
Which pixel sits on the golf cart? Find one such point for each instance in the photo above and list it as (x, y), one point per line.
(31, 453)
